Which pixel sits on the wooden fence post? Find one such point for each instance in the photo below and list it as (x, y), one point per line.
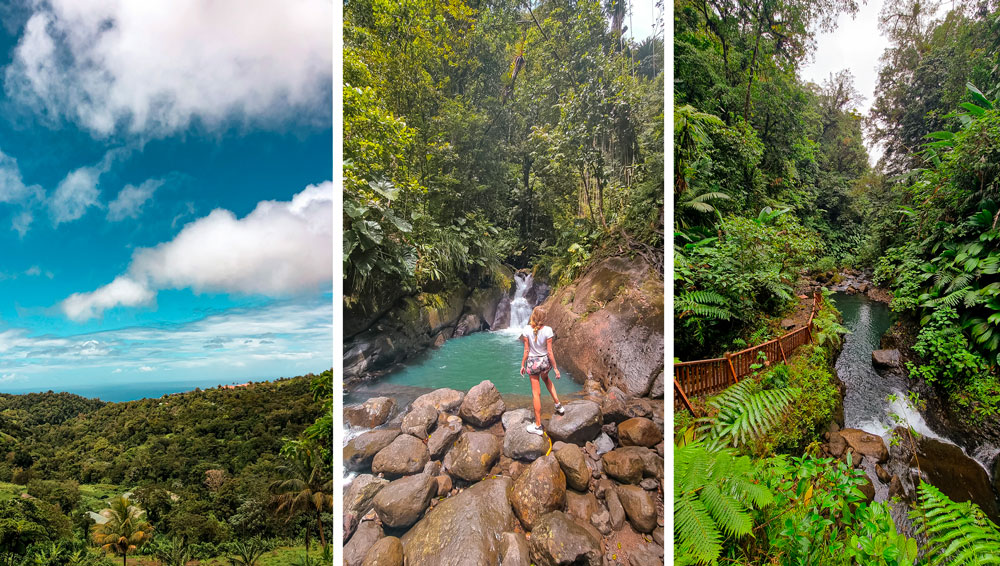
(684, 398)
(781, 348)
(729, 360)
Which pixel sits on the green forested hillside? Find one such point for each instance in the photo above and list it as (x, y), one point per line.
(205, 467)
(773, 183)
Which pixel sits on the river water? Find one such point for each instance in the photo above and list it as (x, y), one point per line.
(461, 363)
(866, 406)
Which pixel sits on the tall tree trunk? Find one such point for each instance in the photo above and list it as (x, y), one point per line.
(586, 192)
(319, 523)
(753, 64)
(525, 175)
(600, 197)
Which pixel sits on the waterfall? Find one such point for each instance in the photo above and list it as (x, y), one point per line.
(520, 309)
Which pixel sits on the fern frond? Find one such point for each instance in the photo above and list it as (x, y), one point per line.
(695, 530)
(727, 511)
(957, 533)
(711, 502)
(705, 304)
(746, 413)
(960, 282)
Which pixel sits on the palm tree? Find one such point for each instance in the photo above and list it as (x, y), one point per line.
(176, 552)
(125, 530)
(306, 487)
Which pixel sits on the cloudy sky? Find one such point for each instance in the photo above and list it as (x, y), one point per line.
(856, 45)
(165, 194)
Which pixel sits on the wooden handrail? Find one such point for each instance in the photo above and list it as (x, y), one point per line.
(713, 375)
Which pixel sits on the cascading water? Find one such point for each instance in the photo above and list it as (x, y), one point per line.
(876, 403)
(520, 309)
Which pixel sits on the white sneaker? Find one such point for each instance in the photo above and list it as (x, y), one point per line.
(534, 429)
(560, 409)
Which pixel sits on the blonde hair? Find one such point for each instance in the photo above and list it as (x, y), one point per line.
(536, 320)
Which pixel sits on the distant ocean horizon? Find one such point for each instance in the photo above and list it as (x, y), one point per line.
(122, 392)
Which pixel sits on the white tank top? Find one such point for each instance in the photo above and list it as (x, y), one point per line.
(537, 345)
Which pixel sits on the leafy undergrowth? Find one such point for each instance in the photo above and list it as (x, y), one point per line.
(281, 556)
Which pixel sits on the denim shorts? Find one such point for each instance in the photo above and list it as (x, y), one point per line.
(539, 365)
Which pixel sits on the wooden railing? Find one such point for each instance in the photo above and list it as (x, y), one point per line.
(706, 377)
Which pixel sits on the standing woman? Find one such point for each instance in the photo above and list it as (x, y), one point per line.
(538, 359)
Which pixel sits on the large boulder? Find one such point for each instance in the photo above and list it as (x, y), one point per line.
(958, 476)
(482, 406)
(463, 529)
(393, 330)
(539, 489)
(646, 555)
(640, 507)
(996, 474)
(519, 444)
(514, 550)
(483, 302)
(517, 417)
(574, 465)
(559, 540)
(613, 407)
(364, 538)
(581, 506)
(865, 444)
(639, 431)
(387, 551)
(624, 465)
(371, 413)
(473, 455)
(360, 493)
(402, 502)
(443, 438)
(886, 359)
(582, 422)
(615, 509)
(403, 456)
(359, 451)
(419, 421)
(442, 400)
(617, 297)
(468, 324)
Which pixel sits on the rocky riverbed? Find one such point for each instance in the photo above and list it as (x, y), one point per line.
(457, 480)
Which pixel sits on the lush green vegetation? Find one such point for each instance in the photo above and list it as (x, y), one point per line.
(772, 179)
(767, 167)
(481, 133)
(197, 475)
(772, 183)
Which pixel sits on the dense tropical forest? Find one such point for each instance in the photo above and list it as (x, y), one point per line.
(239, 475)
(481, 133)
(776, 193)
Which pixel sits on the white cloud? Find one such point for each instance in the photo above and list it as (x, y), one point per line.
(22, 222)
(122, 291)
(145, 368)
(14, 191)
(153, 67)
(131, 200)
(33, 271)
(74, 195)
(269, 340)
(12, 187)
(279, 249)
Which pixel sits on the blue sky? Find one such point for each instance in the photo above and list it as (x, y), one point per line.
(165, 195)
